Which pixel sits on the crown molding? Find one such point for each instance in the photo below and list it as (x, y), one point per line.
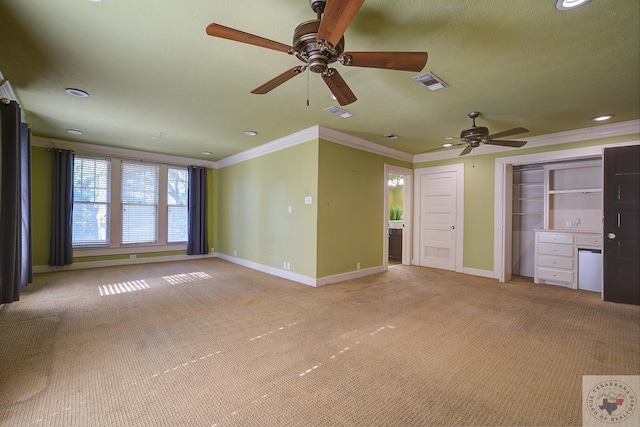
(362, 144)
(117, 152)
(291, 140)
(309, 134)
(595, 132)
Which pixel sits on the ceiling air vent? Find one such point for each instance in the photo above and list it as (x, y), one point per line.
(430, 81)
(338, 112)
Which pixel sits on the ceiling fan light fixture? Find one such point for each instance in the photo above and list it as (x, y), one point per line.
(602, 117)
(390, 136)
(74, 131)
(250, 132)
(569, 4)
(206, 153)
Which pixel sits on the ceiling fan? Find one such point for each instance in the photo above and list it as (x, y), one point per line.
(476, 135)
(320, 42)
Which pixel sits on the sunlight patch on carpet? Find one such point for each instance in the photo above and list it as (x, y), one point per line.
(123, 287)
(177, 279)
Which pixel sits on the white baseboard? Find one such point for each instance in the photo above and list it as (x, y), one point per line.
(477, 272)
(295, 277)
(350, 275)
(305, 280)
(115, 262)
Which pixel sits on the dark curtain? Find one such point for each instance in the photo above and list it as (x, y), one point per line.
(197, 243)
(15, 211)
(61, 251)
(25, 181)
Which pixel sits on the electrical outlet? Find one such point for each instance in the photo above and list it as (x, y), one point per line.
(576, 223)
(358, 266)
(288, 266)
(235, 253)
(213, 251)
(134, 256)
(289, 209)
(568, 223)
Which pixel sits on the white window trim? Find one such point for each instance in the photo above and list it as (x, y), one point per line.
(116, 247)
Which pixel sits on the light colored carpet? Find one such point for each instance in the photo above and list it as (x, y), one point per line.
(209, 343)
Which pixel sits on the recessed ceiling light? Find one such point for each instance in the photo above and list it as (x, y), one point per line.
(602, 118)
(250, 133)
(206, 153)
(95, 1)
(76, 92)
(74, 131)
(390, 136)
(447, 144)
(569, 4)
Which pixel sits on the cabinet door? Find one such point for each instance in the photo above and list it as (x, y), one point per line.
(622, 225)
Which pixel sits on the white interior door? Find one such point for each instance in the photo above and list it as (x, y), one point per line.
(438, 215)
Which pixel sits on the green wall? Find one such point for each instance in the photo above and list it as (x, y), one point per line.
(342, 226)
(253, 199)
(41, 188)
(351, 191)
(479, 185)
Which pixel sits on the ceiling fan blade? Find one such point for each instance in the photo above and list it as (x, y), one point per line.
(338, 87)
(443, 148)
(404, 61)
(507, 143)
(510, 132)
(277, 81)
(221, 31)
(466, 150)
(337, 16)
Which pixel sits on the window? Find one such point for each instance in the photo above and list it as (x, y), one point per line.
(91, 196)
(149, 209)
(177, 199)
(139, 202)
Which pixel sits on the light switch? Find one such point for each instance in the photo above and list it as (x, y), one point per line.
(307, 200)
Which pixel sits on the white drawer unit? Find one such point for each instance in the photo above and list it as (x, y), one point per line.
(556, 255)
(559, 249)
(589, 241)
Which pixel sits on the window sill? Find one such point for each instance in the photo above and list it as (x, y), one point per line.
(129, 249)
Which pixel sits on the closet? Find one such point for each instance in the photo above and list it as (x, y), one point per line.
(555, 204)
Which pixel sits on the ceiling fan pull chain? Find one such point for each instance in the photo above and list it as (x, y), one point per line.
(308, 84)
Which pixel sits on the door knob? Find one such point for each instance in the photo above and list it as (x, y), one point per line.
(611, 236)
(453, 227)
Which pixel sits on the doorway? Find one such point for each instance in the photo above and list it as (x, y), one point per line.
(398, 219)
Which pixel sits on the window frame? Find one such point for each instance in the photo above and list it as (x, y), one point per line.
(106, 204)
(115, 245)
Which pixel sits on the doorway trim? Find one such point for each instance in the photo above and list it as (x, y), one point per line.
(407, 212)
(502, 225)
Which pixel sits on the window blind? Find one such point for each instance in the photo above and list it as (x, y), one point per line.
(139, 202)
(91, 197)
